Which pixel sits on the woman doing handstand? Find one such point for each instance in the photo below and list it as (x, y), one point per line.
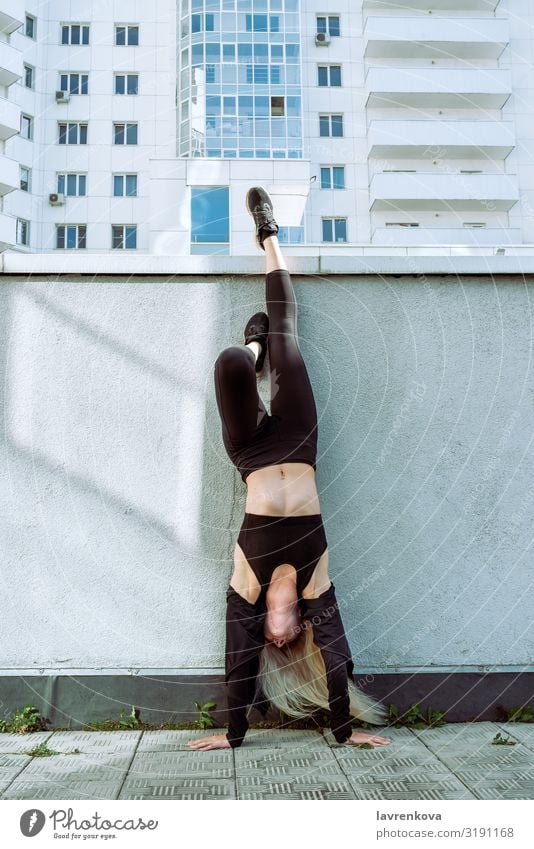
(284, 634)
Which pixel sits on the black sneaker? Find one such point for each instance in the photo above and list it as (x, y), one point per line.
(256, 330)
(260, 206)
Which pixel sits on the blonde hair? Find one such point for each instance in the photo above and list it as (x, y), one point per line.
(293, 679)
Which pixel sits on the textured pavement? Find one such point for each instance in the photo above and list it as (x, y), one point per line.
(456, 761)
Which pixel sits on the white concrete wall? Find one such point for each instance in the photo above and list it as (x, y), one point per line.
(119, 508)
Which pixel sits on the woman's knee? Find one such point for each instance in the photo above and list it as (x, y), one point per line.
(235, 359)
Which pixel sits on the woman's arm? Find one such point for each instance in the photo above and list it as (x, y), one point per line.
(329, 634)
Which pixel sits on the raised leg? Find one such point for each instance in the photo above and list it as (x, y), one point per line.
(291, 391)
(240, 406)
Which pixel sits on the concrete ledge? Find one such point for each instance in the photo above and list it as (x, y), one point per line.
(307, 259)
(70, 701)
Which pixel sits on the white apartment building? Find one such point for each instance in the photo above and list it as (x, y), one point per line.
(380, 123)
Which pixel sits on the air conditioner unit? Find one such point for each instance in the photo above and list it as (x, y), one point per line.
(322, 39)
(62, 97)
(56, 200)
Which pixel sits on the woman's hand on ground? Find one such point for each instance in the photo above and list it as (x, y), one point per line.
(359, 737)
(204, 744)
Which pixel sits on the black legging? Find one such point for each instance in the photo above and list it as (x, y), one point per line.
(243, 414)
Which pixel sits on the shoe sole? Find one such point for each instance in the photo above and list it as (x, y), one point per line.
(255, 237)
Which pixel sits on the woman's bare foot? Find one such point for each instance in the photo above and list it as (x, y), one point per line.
(359, 737)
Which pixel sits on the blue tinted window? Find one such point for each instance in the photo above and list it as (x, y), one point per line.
(338, 177)
(71, 184)
(324, 125)
(131, 237)
(195, 23)
(228, 52)
(117, 185)
(327, 230)
(335, 75)
(322, 75)
(210, 214)
(337, 125)
(325, 178)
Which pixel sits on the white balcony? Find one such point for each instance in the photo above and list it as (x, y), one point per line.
(444, 139)
(12, 15)
(445, 236)
(472, 88)
(446, 5)
(8, 231)
(9, 118)
(447, 191)
(10, 64)
(9, 175)
(435, 37)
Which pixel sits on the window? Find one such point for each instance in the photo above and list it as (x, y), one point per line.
(257, 74)
(329, 75)
(72, 133)
(402, 224)
(26, 126)
(198, 21)
(30, 26)
(334, 229)
(291, 235)
(210, 73)
(25, 174)
(72, 185)
(277, 106)
(75, 34)
(328, 24)
(228, 53)
(126, 83)
(333, 177)
(210, 219)
(28, 76)
(71, 236)
(127, 34)
(124, 236)
(331, 125)
(125, 185)
(74, 83)
(124, 133)
(23, 231)
(474, 225)
(262, 23)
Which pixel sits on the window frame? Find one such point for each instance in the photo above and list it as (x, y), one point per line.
(123, 237)
(23, 223)
(31, 69)
(126, 125)
(331, 180)
(126, 28)
(334, 220)
(69, 75)
(123, 175)
(29, 170)
(80, 236)
(125, 75)
(66, 174)
(327, 19)
(83, 27)
(330, 116)
(30, 125)
(33, 19)
(79, 129)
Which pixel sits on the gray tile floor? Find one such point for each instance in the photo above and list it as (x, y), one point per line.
(456, 761)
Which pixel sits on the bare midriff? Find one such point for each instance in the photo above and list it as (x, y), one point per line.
(286, 489)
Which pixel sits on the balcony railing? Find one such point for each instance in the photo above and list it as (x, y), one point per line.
(472, 88)
(437, 37)
(492, 140)
(449, 190)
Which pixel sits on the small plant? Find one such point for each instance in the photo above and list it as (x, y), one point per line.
(130, 721)
(205, 718)
(25, 720)
(41, 751)
(521, 713)
(499, 740)
(435, 717)
(414, 718)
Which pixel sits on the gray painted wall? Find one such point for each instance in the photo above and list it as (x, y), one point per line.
(119, 508)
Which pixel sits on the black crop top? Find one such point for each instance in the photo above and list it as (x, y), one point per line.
(245, 640)
(269, 447)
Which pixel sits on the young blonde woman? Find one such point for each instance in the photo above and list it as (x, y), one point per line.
(284, 634)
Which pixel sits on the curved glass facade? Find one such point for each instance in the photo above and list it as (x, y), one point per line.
(239, 82)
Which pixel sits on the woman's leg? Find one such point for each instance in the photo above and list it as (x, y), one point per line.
(291, 391)
(240, 406)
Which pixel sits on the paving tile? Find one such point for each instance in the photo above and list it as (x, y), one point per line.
(428, 787)
(56, 789)
(179, 788)
(269, 738)
(93, 766)
(522, 731)
(289, 774)
(173, 741)
(10, 767)
(22, 742)
(169, 765)
(503, 788)
(95, 741)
